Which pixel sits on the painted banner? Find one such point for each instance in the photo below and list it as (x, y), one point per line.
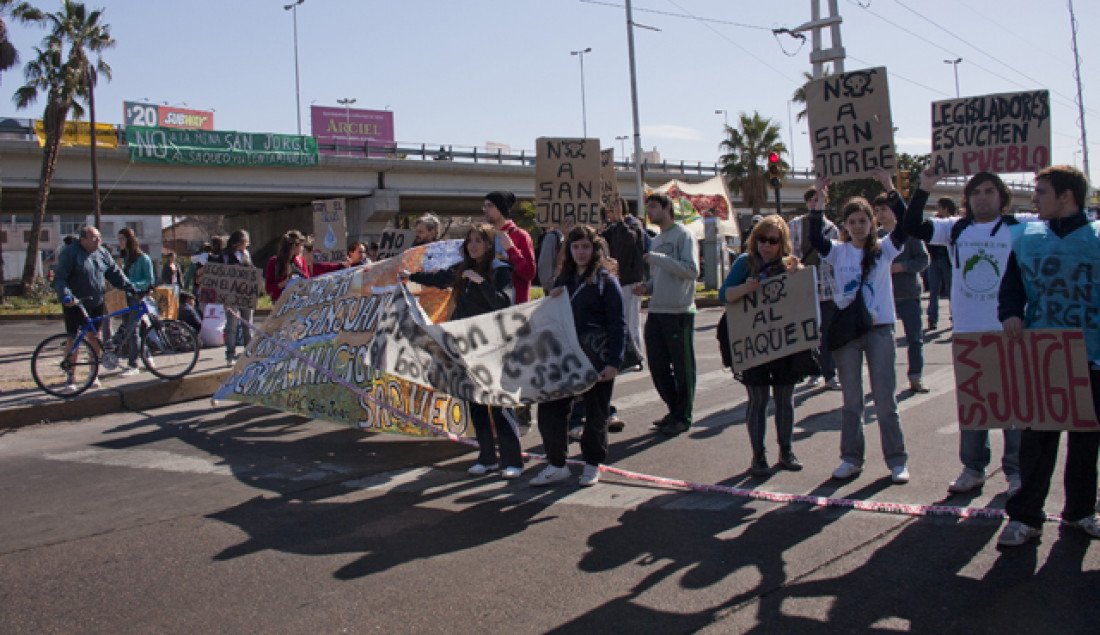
(394, 242)
(352, 127)
(520, 355)
(78, 134)
(693, 203)
(231, 286)
(157, 116)
(1008, 132)
(609, 185)
(200, 147)
(851, 130)
(1040, 382)
(567, 181)
(775, 321)
(331, 319)
(330, 231)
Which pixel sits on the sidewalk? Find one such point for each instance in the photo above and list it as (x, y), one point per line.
(22, 403)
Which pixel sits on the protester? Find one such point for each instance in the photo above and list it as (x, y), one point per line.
(217, 246)
(236, 254)
(188, 314)
(549, 260)
(939, 269)
(512, 242)
(426, 230)
(372, 252)
(286, 266)
(198, 259)
(670, 327)
(826, 287)
(981, 241)
(864, 263)
(170, 273)
(904, 274)
(138, 268)
(1068, 245)
(79, 281)
(767, 254)
(357, 254)
(482, 283)
(597, 302)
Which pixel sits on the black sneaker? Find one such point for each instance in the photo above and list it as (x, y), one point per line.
(662, 422)
(760, 466)
(788, 461)
(674, 428)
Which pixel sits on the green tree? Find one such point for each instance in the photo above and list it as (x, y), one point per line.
(839, 193)
(799, 96)
(21, 11)
(63, 77)
(745, 161)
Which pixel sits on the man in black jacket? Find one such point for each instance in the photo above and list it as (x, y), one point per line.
(626, 242)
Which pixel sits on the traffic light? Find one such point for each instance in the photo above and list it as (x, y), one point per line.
(775, 171)
(903, 183)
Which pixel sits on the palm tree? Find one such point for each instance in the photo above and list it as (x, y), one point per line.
(21, 11)
(799, 96)
(64, 79)
(747, 153)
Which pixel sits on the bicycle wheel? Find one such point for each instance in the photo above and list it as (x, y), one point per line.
(169, 349)
(61, 370)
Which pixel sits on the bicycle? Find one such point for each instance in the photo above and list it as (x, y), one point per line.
(66, 365)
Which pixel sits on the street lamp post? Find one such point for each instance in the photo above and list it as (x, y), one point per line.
(584, 108)
(955, 64)
(346, 103)
(622, 144)
(297, 85)
(725, 115)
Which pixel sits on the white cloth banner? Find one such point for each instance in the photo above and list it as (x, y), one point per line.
(520, 355)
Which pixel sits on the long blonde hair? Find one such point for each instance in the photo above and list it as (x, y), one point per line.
(760, 231)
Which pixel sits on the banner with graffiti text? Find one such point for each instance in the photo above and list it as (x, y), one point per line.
(520, 355)
(693, 202)
(330, 320)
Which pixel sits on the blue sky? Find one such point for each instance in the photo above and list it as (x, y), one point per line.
(475, 71)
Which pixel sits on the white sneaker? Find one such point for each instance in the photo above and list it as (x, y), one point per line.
(1016, 533)
(832, 384)
(130, 372)
(576, 433)
(511, 472)
(1089, 524)
(590, 476)
(477, 469)
(1014, 485)
(552, 475)
(814, 382)
(847, 470)
(96, 384)
(899, 474)
(967, 481)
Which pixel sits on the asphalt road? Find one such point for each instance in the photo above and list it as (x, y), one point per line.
(241, 519)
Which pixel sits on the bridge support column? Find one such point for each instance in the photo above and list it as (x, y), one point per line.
(368, 216)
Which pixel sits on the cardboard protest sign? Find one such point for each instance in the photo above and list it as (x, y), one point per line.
(609, 185)
(567, 181)
(395, 241)
(231, 286)
(779, 319)
(330, 320)
(1041, 382)
(1007, 132)
(850, 124)
(330, 231)
(520, 355)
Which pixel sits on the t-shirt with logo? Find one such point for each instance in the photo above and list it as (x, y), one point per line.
(878, 287)
(978, 262)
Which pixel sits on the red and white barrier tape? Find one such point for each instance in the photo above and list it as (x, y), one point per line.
(907, 509)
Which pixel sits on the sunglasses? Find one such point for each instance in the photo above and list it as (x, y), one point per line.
(769, 240)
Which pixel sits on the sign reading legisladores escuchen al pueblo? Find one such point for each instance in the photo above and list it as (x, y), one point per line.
(203, 147)
(851, 130)
(1008, 132)
(778, 319)
(1040, 382)
(567, 181)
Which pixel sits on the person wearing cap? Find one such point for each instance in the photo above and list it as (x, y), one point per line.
(512, 241)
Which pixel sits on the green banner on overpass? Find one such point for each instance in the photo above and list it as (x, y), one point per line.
(211, 147)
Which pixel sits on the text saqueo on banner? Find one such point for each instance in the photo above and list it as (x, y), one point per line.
(1008, 132)
(1041, 382)
(779, 319)
(851, 129)
(567, 181)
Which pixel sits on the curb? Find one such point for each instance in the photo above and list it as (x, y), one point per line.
(153, 394)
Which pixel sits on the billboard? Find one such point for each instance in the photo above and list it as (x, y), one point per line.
(351, 126)
(160, 116)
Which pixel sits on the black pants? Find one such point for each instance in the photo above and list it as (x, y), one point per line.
(670, 350)
(1038, 457)
(554, 425)
(756, 416)
(511, 454)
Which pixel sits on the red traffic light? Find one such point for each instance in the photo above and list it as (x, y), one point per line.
(773, 158)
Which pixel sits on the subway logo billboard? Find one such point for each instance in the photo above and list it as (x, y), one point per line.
(160, 116)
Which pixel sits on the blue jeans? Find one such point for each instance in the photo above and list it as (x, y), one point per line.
(939, 273)
(133, 343)
(878, 347)
(975, 455)
(909, 313)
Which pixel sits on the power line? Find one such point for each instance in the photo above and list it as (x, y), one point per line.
(682, 15)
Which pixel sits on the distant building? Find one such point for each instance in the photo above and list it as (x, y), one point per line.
(15, 234)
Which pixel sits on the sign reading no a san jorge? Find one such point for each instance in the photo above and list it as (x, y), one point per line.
(352, 126)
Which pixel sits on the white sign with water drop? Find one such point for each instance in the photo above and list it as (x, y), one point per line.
(330, 231)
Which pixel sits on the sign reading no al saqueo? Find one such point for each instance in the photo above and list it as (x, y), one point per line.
(567, 181)
(202, 147)
(850, 125)
(1009, 132)
(778, 319)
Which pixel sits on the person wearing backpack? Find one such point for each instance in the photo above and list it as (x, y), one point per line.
(626, 245)
(826, 287)
(979, 244)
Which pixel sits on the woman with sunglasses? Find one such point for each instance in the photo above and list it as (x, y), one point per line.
(768, 253)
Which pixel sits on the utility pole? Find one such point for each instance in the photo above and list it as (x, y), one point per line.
(835, 52)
